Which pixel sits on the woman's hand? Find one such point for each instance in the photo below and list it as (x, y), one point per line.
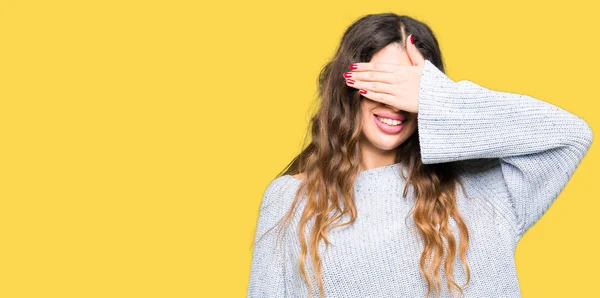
(395, 85)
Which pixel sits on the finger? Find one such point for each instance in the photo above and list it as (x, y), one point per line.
(376, 96)
(375, 66)
(371, 76)
(378, 87)
(414, 54)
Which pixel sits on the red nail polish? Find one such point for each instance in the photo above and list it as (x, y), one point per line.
(347, 75)
(412, 39)
(353, 66)
(351, 82)
(363, 91)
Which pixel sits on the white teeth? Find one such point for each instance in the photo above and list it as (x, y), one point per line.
(389, 121)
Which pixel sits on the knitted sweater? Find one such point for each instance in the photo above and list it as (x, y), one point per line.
(518, 154)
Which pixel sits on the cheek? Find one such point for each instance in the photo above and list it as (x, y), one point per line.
(413, 122)
(366, 106)
(367, 120)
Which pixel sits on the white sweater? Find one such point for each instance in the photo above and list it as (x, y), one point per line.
(533, 146)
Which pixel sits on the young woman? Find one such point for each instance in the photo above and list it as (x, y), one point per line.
(372, 206)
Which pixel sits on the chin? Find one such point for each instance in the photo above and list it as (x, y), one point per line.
(388, 145)
(384, 142)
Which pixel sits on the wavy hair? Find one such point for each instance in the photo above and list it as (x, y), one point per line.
(331, 160)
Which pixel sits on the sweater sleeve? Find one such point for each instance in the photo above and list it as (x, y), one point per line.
(538, 145)
(267, 269)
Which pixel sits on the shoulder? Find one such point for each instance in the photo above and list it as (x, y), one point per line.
(481, 175)
(300, 176)
(279, 194)
(486, 177)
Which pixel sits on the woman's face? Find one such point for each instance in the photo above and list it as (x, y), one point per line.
(377, 134)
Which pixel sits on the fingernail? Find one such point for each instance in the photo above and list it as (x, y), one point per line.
(412, 40)
(362, 91)
(351, 82)
(347, 74)
(353, 66)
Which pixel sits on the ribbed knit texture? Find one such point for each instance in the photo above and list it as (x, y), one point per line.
(530, 149)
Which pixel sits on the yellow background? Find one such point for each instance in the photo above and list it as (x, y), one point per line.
(137, 137)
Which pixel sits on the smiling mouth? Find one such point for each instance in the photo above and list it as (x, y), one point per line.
(388, 126)
(390, 122)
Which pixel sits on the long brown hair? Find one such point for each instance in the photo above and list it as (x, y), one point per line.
(331, 160)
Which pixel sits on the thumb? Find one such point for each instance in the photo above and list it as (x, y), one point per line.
(414, 55)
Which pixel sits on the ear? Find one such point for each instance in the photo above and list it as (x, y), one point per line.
(413, 53)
